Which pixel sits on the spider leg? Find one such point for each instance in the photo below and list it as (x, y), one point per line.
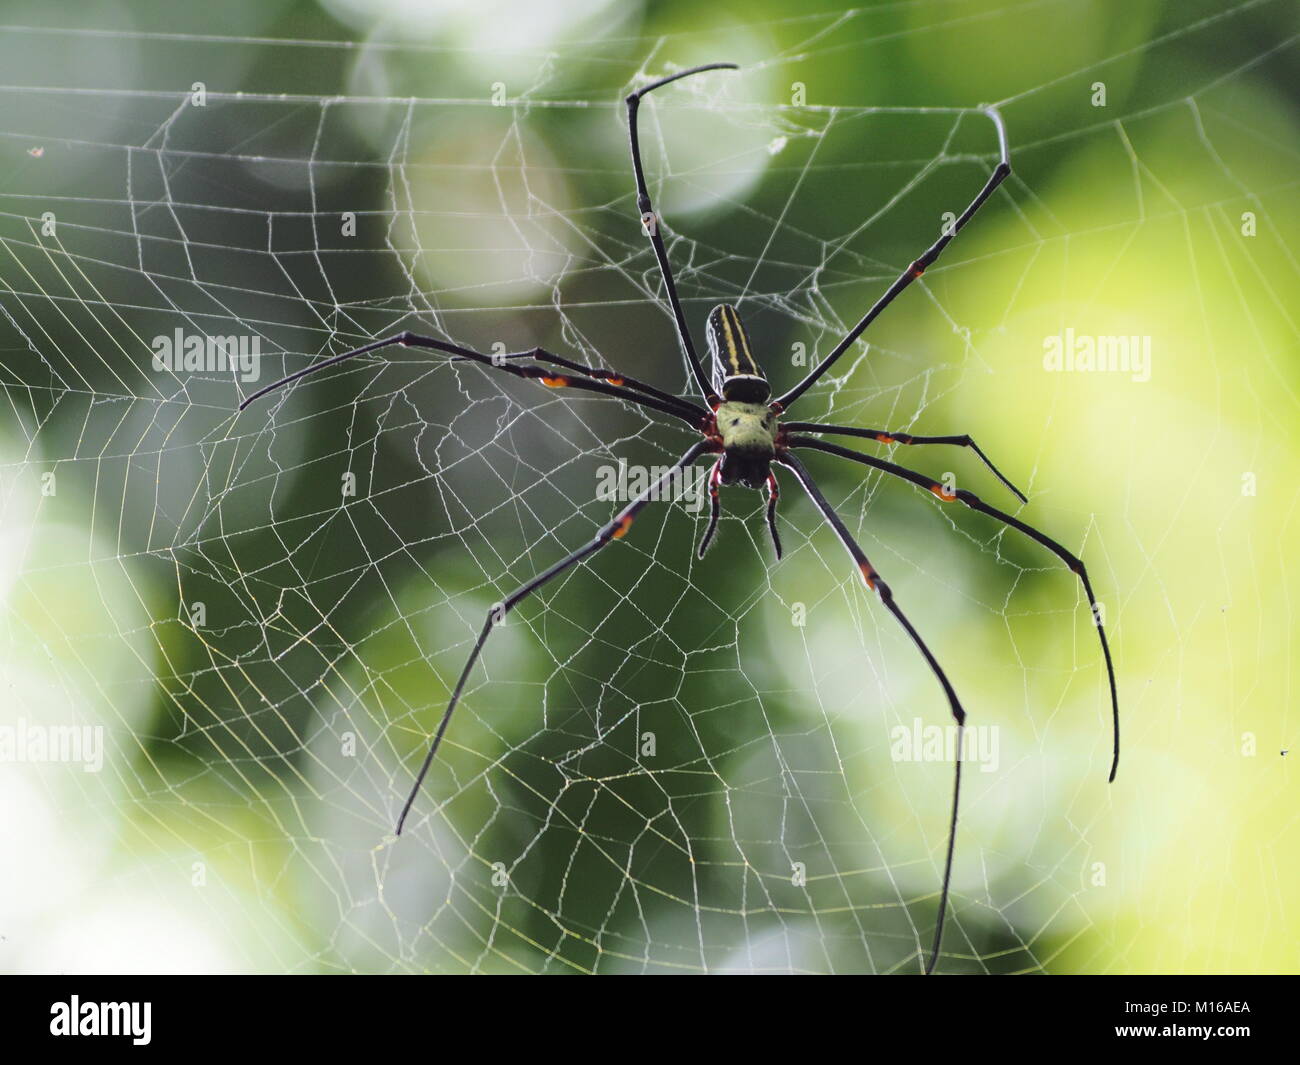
(617, 385)
(873, 581)
(975, 503)
(885, 436)
(773, 494)
(917, 268)
(609, 532)
(715, 479)
(650, 221)
(613, 377)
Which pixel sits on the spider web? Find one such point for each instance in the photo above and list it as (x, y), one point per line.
(660, 764)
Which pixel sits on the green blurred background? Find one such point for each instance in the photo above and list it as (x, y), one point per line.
(258, 756)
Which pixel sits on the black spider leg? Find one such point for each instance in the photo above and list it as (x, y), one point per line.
(917, 268)
(886, 436)
(715, 507)
(773, 495)
(650, 221)
(611, 531)
(613, 377)
(975, 503)
(679, 408)
(874, 582)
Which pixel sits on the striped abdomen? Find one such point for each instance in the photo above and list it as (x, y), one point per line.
(735, 373)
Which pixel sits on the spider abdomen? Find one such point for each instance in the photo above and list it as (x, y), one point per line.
(736, 376)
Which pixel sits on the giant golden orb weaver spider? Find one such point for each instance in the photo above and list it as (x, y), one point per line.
(742, 425)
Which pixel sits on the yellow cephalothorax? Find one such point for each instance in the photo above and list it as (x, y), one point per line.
(749, 428)
(747, 432)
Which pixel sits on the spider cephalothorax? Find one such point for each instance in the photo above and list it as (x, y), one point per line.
(748, 436)
(741, 426)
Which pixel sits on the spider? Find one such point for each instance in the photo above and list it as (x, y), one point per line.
(743, 426)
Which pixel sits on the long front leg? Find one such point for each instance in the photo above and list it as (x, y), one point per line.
(613, 377)
(918, 266)
(886, 436)
(873, 581)
(611, 531)
(973, 501)
(650, 222)
(590, 379)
